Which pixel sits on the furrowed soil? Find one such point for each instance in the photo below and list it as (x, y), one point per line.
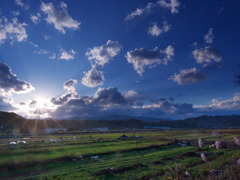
(140, 155)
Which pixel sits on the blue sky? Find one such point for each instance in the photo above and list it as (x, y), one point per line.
(162, 58)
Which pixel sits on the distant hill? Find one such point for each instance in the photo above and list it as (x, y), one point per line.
(11, 120)
(120, 117)
(142, 118)
(212, 121)
(6, 116)
(204, 122)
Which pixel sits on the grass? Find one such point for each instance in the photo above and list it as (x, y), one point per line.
(147, 157)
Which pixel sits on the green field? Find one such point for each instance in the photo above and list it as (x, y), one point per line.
(93, 155)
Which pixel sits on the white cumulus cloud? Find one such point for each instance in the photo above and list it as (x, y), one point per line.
(102, 54)
(67, 55)
(216, 100)
(69, 85)
(99, 56)
(222, 106)
(47, 37)
(15, 13)
(209, 37)
(230, 104)
(207, 55)
(59, 17)
(155, 30)
(172, 5)
(12, 30)
(187, 76)
(142, 58)
(94, 77)
(35, 18)
(42, 51)
(21, 4)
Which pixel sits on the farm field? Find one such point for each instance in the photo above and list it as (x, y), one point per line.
(139, 155)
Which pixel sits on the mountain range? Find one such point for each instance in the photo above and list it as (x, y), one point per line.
(119, 117)
(10, 120)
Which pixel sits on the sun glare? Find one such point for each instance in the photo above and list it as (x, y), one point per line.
(41, 103)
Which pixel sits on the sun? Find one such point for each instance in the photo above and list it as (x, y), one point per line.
(42, 103)
(39, 107)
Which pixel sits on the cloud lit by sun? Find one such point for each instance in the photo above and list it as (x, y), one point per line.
(150, 59)
(38, 108)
